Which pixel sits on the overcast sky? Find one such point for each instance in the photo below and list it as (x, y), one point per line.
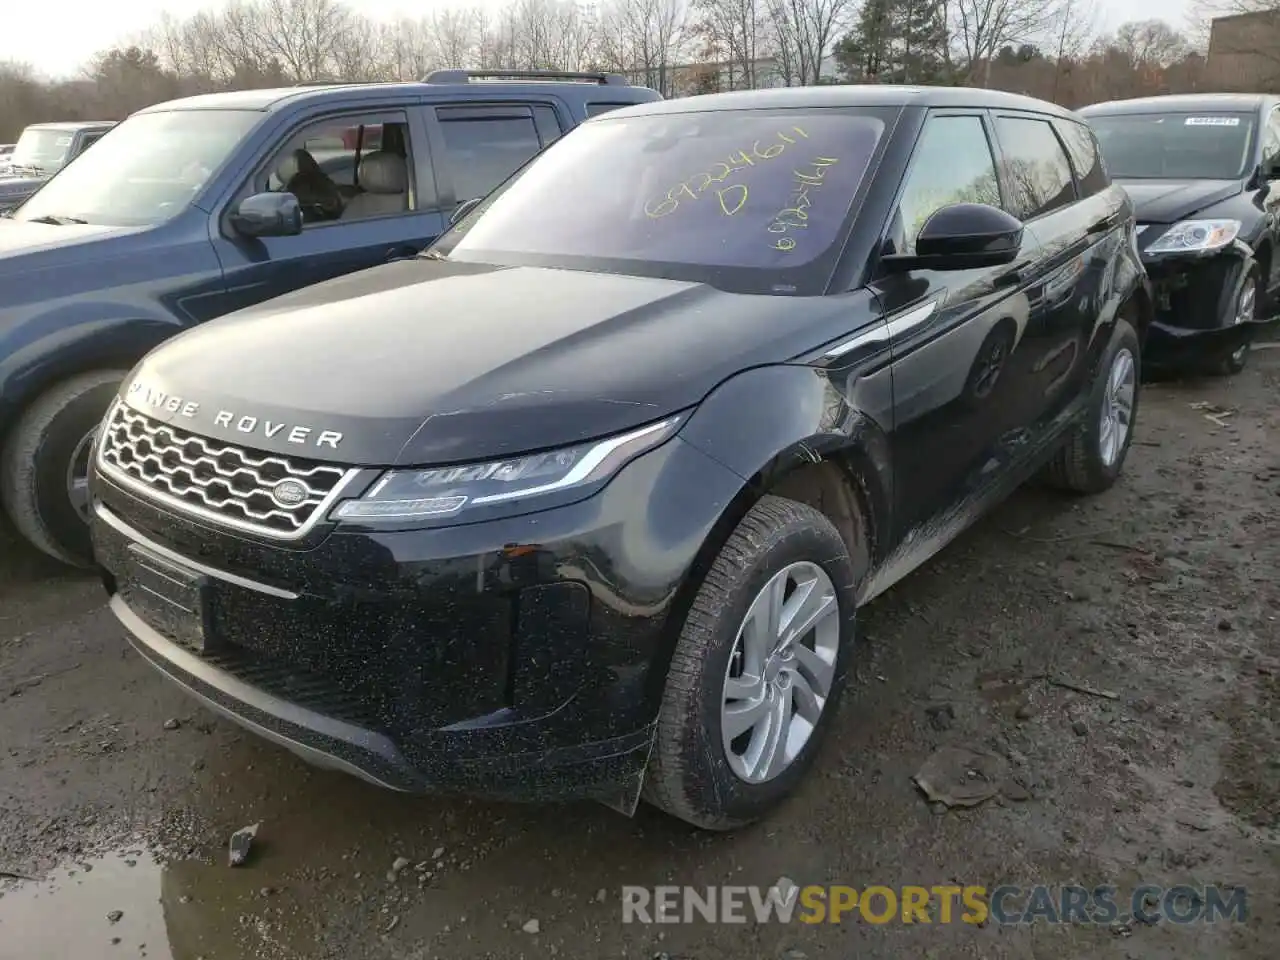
(58, 36)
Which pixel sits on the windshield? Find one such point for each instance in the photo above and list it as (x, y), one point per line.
(748, 201)
(144, 171)
(1175, 146)
(41, 149)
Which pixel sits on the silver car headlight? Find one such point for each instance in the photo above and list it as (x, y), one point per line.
(437, 492)
(1195, 236)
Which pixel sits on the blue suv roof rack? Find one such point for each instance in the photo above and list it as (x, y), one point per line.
(466, 76)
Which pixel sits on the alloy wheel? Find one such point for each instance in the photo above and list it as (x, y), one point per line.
(1117, 407)
(780, 672)
(1245, 308)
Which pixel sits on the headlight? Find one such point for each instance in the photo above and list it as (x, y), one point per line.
(437, 492)
(1196, 236)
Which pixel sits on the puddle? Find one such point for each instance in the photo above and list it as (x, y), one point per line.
(65, 915)
(181, 910)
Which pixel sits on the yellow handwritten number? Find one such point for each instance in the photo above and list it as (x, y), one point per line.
(786, 243)
(669, 204)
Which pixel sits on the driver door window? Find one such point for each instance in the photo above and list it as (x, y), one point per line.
(953, 163)
(342, 169)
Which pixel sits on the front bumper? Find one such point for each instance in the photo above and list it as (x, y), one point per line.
(464, 658)
(1195, 298)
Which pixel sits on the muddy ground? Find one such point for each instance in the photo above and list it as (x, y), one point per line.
(116, 794)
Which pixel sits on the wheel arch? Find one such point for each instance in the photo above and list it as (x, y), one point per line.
(844, 474)
(40, 365)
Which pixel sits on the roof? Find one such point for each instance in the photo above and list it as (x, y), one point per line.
(272, 97)
(275, 97)
(71, 125)
(1181, 103)
(850, 95)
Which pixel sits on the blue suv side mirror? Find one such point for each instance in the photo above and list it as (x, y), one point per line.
(268, 215)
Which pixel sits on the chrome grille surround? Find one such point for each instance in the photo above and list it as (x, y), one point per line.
(216, 481)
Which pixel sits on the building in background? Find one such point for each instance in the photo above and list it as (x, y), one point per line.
(1244, 53)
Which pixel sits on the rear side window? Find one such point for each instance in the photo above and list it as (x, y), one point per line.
(485, 147)
(1083, 148)
(595, 109)
(1036, 167)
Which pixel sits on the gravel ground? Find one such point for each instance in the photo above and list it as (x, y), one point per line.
(1156, 602)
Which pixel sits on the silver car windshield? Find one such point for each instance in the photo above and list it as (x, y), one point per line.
(144, 171)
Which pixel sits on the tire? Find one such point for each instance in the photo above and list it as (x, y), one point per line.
(690, 774)
(36, 460)
(1080, 465)
(1235, 362)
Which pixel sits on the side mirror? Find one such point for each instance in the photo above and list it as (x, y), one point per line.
(962, 236)
(268, 215)
(462, 209)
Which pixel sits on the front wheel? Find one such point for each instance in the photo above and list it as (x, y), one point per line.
(758, 669)
(1246, 309)
(44, 466)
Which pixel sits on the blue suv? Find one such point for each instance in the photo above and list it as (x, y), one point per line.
(197, 207)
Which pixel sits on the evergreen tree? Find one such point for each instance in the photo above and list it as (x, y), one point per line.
(864, 53)
(919, 30)
(896, 41)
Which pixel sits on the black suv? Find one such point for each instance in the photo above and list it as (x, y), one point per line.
(195, 208)
(584, 500)
(1204, 174)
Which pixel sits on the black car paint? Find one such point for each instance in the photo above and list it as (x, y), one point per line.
(1196, 294)
(18, 186)
(523, 654)
(96, 297)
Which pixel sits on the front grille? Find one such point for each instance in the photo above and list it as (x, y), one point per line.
(217, 480)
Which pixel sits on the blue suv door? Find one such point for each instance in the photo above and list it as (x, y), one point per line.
(366, 183)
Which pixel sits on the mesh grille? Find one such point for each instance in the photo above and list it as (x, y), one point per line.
(230, 483)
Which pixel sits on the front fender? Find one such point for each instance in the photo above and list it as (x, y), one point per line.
(51, 347)
(766, 422)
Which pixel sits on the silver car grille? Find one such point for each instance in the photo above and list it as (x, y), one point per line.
(217, 481)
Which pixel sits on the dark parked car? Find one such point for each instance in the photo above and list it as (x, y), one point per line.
(1203, 171)
(41, 151)
(195, 208)
(582, 502)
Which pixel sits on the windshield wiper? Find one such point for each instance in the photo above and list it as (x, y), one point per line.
(56, 221)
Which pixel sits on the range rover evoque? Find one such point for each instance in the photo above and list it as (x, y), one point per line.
(582, 502)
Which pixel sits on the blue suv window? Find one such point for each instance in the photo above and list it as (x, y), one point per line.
(484, 146)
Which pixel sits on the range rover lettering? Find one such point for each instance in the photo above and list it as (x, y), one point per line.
(625, 450)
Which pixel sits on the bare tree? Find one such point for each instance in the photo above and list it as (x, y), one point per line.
(982, 27)
(735, 32)
(808, 28)
(1147, 43)
(645, 39)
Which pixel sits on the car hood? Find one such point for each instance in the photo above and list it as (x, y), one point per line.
(1168, 201)
(424, 361)
(20, 238)
(17, 186)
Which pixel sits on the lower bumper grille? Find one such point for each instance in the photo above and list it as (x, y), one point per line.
(271, 495)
